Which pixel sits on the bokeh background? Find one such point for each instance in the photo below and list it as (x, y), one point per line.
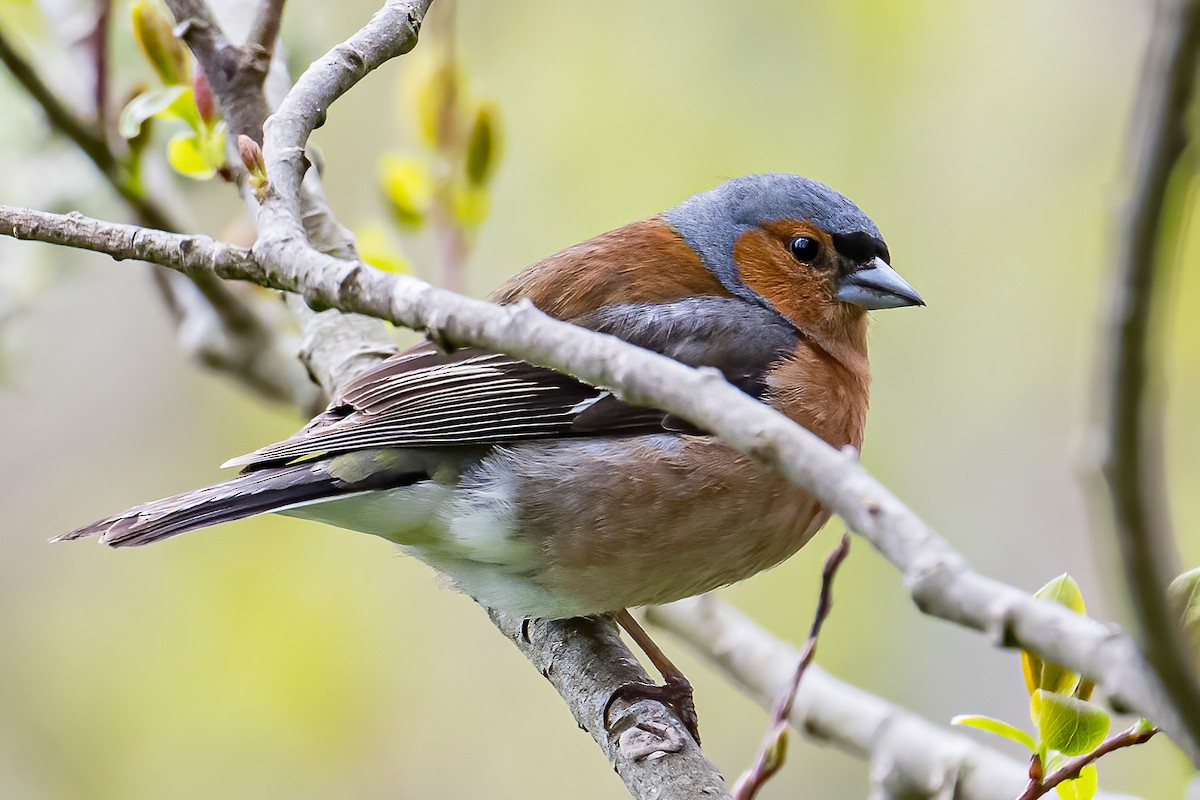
(275, 658)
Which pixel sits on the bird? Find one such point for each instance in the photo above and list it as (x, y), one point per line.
(541, 495)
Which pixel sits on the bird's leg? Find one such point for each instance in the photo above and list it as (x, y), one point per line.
(676, 691)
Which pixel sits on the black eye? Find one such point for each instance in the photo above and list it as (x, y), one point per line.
(805, 249)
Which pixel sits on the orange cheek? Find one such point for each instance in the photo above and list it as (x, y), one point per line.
(796, 291)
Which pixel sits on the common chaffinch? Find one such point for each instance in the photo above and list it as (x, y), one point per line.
(543, 496)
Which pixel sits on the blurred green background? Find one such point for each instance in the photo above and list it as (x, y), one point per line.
(275, 658)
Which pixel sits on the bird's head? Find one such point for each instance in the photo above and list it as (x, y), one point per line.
(794, 245)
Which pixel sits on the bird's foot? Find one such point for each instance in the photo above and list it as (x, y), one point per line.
(675, 694)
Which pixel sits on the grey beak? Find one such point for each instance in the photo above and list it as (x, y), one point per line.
(877, 286)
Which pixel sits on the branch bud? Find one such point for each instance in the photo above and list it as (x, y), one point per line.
(203, 95)
(252, 159)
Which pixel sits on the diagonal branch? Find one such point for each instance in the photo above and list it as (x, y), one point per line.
(264, 31)
(939, 577)
(235, 73)
(335, 346)
(87, 138)
(910, 756)
(941, 581)
(213, 324)
(584, 660)
(1138, 733)
(1132, 463)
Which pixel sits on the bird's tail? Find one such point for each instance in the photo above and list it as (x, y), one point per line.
(257, 492)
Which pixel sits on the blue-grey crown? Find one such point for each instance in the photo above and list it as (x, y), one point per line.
(712, 221)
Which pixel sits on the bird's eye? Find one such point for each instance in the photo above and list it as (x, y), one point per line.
(805, 249)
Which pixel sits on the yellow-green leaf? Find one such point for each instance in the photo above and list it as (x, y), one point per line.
(437, 80)
(186, 155)
(483, 144)
(1067, 724)
(147, 105)
(1184, 594)
(153, 29)
(996, 726)
(1040, 674)
(376, 248)
(471, 204)
(212, 142)
(1064, 590)
(408, 187)
(1082, 788)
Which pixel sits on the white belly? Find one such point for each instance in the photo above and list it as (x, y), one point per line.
(467, 533)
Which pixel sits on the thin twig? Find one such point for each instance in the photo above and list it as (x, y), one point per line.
(98, 41)
(264, 31)
(1132, 463)
(236, 77)
(335, 347)
(214, 324)
(451, 238)
(1134, 734)
(87, 138)
(770, 754)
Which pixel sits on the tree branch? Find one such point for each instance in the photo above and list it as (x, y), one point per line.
(335, 347)
(910, 757)
(98, 42)
(940, 580)
(585, 661)
(235, 73)
(213, 325)
(86, 137)
(1132, 462)
(1138, 733)
(263, 32)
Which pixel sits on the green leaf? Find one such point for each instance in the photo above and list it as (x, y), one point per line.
(1082, 788)
(996, 726)
(376, 247)
(1040, 674)
(471, 204)
(438, 82)
(186, 155)
(1065, 590)
(147, 105)
(212, 141)
(1184, 594)
(483, 145)
(153, 30)
(1067, 724)
(408, 187)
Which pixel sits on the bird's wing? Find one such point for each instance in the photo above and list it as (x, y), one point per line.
(426, 398)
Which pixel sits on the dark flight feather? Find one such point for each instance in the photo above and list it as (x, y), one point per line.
(244, 496)
(425, 398)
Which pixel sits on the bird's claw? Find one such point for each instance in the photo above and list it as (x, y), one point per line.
(675, 694)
